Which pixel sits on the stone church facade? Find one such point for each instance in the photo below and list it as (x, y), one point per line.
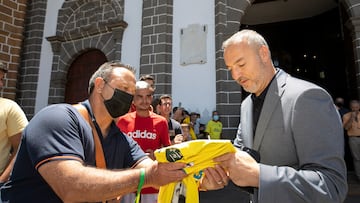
(86, 25)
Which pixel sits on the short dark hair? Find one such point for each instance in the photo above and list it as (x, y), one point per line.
(3, 67)
(155, 102)
(183, 111)
(105, 71)
(165, 96)
(147, 77)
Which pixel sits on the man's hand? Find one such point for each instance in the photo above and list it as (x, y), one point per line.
(178, 139)
(214, 178)
(354, 115)
(150, 154)
(159, 174)
(243, 170)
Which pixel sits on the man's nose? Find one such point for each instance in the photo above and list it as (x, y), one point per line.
(235, 74)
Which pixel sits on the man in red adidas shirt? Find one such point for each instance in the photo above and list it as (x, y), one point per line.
(147, 128)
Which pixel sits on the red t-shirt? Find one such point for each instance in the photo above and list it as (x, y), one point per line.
(149, 132)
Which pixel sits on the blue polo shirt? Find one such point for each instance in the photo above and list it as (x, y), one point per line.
(60, 132)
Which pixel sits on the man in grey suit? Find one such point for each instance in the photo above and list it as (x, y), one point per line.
(292, 123)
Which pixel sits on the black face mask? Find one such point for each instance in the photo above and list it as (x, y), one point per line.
(119, 103)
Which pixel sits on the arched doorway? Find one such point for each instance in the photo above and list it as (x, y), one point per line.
(79, 74)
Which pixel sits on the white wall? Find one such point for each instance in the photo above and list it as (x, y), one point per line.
(194, 85)
(46, 55)
(130, 51)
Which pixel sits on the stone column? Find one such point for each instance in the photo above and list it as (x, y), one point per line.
(354, 25)
(228, 93)
(156, 43)
(30, 57)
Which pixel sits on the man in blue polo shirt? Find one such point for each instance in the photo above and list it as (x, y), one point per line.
(56, 160)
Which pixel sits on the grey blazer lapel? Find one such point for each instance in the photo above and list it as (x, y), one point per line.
(272, 99)
(246, 123)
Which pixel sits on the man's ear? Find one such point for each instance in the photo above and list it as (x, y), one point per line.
(264, 53)
(99, 84)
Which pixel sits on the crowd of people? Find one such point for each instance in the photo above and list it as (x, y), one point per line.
(179, 116)
(103, 148)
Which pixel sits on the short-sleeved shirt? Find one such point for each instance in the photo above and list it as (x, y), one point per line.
(149, 132)
(12, 122)
(214, 128)
(60, 132)
(174, 126)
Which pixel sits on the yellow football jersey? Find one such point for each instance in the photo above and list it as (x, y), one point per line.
(198, 155)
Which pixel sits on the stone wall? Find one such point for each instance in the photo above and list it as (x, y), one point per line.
(12, 15)
(156, 43)
(30, 58)
(228, 93)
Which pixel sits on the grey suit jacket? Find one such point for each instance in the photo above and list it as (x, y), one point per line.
(300, 140)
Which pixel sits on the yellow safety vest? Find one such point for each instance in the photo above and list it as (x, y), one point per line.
(198, 155)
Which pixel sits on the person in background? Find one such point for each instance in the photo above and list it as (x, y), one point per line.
(202, 133)
(165, 107)
(185, 132)
(151, 80)
(339, 103)
(56, 159)
(178, 114)
(155, 105)
(194, 124)
(148, 129)
(351, 121)
(214, 127)
(293, 124)
(12, 124)
(340, 106)
(195, 121)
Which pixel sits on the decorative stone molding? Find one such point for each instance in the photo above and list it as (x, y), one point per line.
(55, 42)
(84, 25)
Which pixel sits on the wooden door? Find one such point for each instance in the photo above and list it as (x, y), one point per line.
(79, 75)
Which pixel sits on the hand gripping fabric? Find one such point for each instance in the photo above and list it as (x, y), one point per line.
(198, 155)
